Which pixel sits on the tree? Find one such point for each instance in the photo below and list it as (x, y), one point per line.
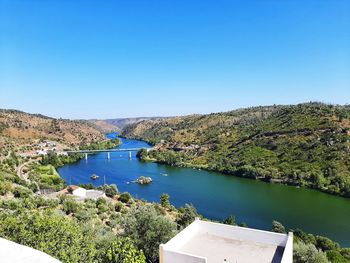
(325, 243)
(70, 206)
(123, 251)
(59, 237)
(230, 220)
(110, 190)
(164, 200)
(22, 192)
(278, 227)
(308, 253)
(148, 230)
(335, 256)
(187, 215)
(125, 197)
(5, 187)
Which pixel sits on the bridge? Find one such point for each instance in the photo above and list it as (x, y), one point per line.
(108, 151)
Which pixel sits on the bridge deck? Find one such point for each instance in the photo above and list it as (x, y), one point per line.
(110, 150)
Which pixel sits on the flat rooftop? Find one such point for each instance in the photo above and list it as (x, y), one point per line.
(210, 242)
(218, 249)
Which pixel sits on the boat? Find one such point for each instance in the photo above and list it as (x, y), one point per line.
(94, 177)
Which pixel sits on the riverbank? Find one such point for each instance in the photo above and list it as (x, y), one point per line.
(215, 195)
(173, 158)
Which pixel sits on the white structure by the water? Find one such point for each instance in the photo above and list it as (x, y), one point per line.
(207, 242)
(82, 193)
(11, 252)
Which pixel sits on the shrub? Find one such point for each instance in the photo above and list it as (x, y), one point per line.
(52, 234)
(278, 227)
(123, 251)
(187, 215)
(164, 200)
(125, 197)
(110, 190)
(335, 256)
(118, 206)
(22, 192)
(83, 215)
(5, 187)
(148, 230)
(345, 253)
(308, 253)
(230, 220)
(325, 243)
(70, 206)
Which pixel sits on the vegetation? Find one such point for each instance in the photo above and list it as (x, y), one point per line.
(149, 229)
(108, 230)
(59, 160)
(103, 145)
(305, 145)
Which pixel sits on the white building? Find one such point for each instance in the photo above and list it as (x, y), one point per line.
(207, 242)
(82, 193)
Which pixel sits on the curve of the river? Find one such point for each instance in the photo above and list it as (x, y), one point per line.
(216, 196)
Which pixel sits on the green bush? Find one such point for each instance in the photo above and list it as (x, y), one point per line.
(59, 237)
(123, 251)
(5, 187)
(325, 244)
(278, 227)
(148, 230)
(110, 190)
(125, 197)
(118, 206)
(22, 192)
(308, 253)
(70, 206)
(164, 200)
(335, 256)
(186, 215)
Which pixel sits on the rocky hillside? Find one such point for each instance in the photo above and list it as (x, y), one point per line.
(305, 144)
(121, 123)
(20, 128)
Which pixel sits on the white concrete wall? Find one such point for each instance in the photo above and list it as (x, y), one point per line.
(169, 256)
(81, 192)
(169, 253)
(182, 237)
(243, 233)
(11, 252)
(288, 250)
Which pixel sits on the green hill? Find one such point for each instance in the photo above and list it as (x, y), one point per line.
(305, 144)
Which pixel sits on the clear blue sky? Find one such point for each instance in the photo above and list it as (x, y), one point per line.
(106, 59)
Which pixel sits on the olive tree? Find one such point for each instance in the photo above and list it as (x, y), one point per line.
(148, 229)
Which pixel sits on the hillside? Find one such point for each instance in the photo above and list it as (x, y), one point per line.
(20, 129)
(305, 144)
(121, 123)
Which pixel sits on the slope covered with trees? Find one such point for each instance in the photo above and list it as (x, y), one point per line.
(305, 144)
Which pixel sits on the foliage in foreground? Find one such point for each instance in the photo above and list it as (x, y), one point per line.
(63, 239)
(148, 229)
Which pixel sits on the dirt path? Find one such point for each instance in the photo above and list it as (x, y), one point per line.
(20, 173)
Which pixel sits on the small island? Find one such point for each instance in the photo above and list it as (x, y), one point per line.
(144, 180)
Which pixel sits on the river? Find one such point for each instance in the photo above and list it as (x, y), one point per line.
(216, 196)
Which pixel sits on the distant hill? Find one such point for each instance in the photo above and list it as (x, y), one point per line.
(305, 144)
(19, 128)
(121, 123)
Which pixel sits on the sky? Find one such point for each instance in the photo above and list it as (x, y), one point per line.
(111, 59)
